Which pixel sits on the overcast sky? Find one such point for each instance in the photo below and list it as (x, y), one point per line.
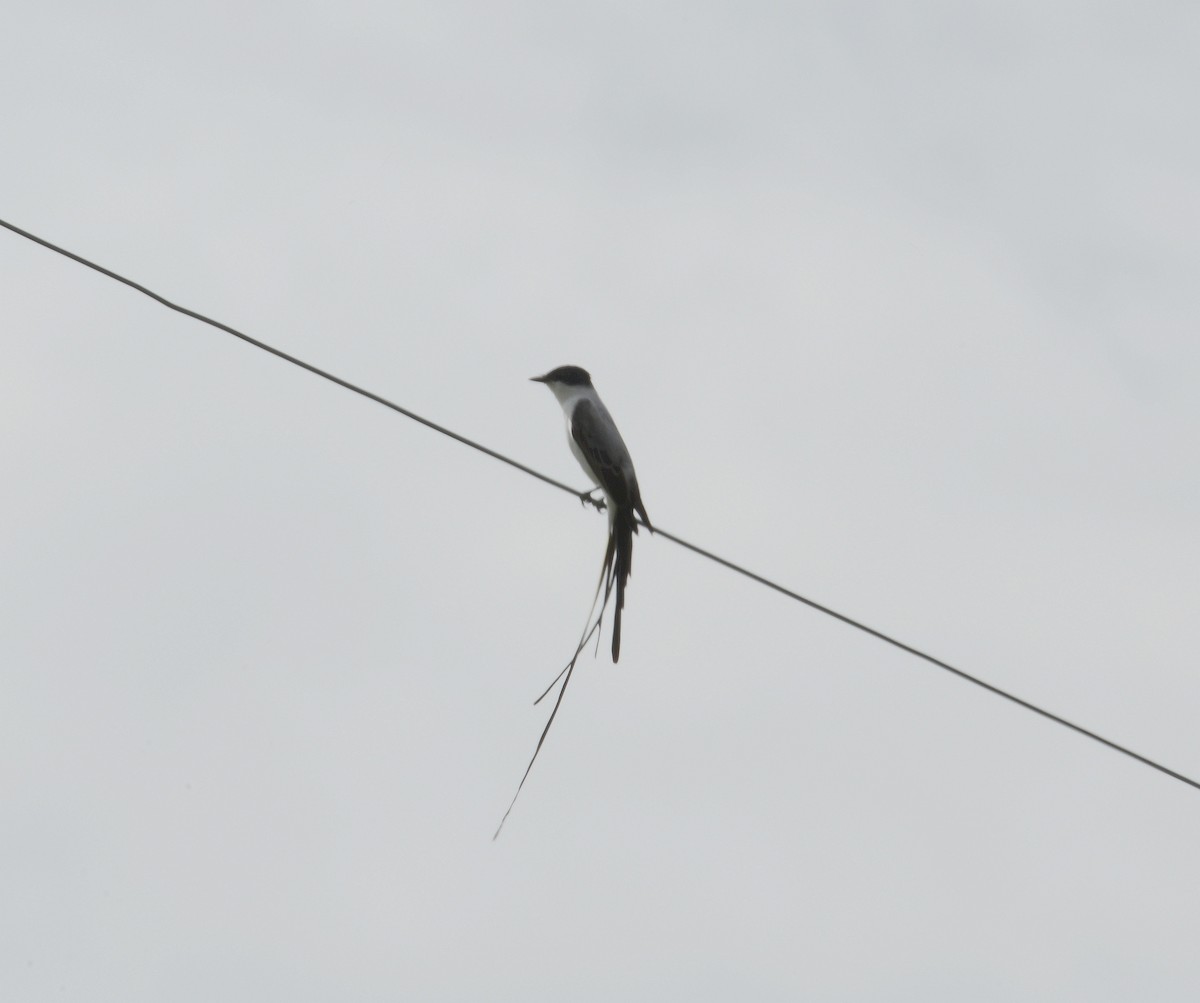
(894, 303)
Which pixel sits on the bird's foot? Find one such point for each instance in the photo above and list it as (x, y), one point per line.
(585, 498)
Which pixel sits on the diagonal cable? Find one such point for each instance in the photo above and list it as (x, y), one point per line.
(849, 621)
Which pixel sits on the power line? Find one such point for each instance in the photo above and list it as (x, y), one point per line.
(657, 530)
(289, 358)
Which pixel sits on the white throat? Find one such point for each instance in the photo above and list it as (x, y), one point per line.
(568, 396)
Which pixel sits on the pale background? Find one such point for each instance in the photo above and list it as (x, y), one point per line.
(894, 302)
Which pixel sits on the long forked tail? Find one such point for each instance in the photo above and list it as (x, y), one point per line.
(621, 547)
(614, 572)
(590, 627)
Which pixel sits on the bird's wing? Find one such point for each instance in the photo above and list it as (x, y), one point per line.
(600, 442)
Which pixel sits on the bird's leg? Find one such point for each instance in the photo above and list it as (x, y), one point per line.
(585, 498)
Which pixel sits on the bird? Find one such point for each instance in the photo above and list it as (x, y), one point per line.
(597, 445)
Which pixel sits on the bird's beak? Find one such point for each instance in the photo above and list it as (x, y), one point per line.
(537, 379)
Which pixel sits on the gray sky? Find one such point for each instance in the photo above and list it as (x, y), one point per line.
(896, 303)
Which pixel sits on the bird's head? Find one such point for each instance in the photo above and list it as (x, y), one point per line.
(567, 383)
(565, 376)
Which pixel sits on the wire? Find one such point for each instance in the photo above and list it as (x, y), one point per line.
(849, 621)
(930, 659)
(289, 358)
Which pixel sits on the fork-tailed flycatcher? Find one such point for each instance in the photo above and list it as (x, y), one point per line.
(600, 450)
